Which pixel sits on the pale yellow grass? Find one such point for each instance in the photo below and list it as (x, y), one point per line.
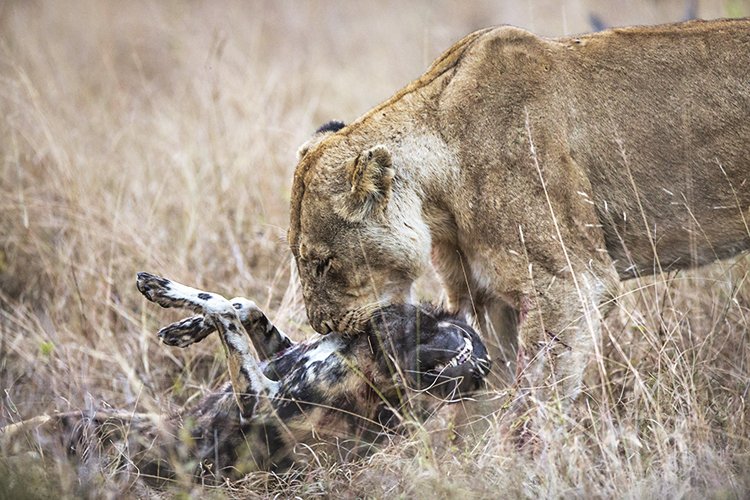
(162, 137)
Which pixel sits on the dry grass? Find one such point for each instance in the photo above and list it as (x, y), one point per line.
(162, 137)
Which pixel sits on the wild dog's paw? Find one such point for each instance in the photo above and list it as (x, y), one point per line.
(247, 310)
(154, 288)
(186, 332)
(168, 293)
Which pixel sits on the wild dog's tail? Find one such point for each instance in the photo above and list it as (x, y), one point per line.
(70, 419)
(77, 432)
(97, 440)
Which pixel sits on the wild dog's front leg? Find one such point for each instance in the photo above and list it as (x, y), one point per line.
(248, 381)
(267, 339)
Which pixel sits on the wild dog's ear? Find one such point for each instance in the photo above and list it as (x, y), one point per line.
(370, 178)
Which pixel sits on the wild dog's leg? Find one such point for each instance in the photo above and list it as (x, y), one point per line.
(267, 339)
(187, 331)
(248, 380)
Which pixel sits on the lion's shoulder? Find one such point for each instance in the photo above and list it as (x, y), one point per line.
(503, 47)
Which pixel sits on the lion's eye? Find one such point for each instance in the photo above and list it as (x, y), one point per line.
(322, 267)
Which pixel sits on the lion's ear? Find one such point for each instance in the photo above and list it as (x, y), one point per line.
(370, 179)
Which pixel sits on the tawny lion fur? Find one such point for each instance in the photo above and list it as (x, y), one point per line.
(535, 174)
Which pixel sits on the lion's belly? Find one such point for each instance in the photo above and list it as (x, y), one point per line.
(668, 202)
(635, 256)
(673, 225)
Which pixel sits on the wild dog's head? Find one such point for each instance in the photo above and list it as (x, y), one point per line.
(429, 350)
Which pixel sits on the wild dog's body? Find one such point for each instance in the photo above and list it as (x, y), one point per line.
(535, 174)
(333, 392)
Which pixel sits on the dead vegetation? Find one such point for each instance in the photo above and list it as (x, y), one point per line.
(140, 136)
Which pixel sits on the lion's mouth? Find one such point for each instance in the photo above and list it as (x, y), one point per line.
(355, 320)
(326, 327)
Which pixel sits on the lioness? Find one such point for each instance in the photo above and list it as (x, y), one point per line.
(534, 174)
(336, 392)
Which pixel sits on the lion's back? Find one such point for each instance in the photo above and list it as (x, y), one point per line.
(667, 106)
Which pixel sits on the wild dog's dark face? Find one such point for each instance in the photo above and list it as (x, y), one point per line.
(436, 352)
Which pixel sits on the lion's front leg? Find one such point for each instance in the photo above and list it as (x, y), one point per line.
(498, 322)
(559, 332)
(496, 319)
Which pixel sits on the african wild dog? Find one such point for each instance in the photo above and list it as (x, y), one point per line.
(334, 393)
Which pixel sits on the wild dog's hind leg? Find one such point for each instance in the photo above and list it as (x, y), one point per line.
(187, 331)
(248, 381)
(267, 339)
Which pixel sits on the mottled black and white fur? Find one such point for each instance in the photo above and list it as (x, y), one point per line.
(334, 393)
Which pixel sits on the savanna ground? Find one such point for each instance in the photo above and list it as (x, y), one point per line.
(162, 137)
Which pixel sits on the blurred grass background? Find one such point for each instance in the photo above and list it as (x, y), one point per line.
(161, 136)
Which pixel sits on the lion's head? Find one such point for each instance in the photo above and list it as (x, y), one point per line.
(355, 244)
